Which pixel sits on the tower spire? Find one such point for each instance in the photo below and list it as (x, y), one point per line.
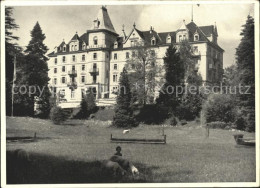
(192, 12)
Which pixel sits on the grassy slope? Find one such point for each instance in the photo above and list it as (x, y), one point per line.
(187, 157)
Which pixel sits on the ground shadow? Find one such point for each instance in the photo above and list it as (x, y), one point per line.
(44, 169)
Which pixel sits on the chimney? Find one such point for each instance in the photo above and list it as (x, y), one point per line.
(151, 30)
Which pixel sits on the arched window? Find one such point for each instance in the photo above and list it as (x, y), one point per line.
(153, 42)
(95, 40)
(168, 40)
(84, 47)
(115, 45)
(75, 48)
(196, 37)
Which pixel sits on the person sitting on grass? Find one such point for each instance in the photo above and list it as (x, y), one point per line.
(118, 150)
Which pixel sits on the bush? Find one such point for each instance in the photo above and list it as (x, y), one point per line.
(58, 115)
(87, 106)
(220, 107)
(218, 125)
(152, 114)
(173, 121)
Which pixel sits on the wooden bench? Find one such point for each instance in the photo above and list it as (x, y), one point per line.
(138, 140)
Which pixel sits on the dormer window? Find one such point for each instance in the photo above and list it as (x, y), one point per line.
(95, 40)
(184, 37)
(64, 49)
(153, 42)
(72, 47)
(180, 38)
(75, 48)
(196, 37)
(84, 47)
(115, 45)
(168, 40)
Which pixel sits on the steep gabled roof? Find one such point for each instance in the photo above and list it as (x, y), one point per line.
(76, 37)
(207, 30)
(84, 38)
(193, 28)
(104, 20)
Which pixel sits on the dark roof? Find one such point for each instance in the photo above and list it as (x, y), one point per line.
(76, 37)
(62, 44)
(193, 28)
(207, 30)
(84, 38)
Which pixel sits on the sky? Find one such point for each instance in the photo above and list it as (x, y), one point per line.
(62, 22)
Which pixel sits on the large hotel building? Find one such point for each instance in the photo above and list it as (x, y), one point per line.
(96, 58)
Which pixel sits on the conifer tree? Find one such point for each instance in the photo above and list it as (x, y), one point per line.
(174, 77)
(245, 55)
(11, 50)
(35, 72)
(87, 105)
(123, 110)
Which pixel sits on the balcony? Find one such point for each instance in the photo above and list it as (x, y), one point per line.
(72, 73)
(94, 71)
(96, 46)
(72, 85)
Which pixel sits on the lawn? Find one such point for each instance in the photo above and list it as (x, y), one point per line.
(72, 153)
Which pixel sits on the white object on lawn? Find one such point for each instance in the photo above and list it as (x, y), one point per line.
(126, 131)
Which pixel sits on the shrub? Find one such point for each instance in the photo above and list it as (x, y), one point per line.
(219, 107)
(217, 125)
(152, 114)
(87, 106)
(173, 121)
(58, 115)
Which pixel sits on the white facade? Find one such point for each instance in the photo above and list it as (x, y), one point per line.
(96, 59)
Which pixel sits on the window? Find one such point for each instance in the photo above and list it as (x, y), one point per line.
(195, 49)
(83, 67)
(115, 78)
(196, 37)
(153, 41)
(82, 79)
(63, 68)
(72, 48)
(55, 81)
(63, 80)
(115, 45)
(95, 40)
(94, 55)
(115, 66)
(115, 55)
(83, 47)
(55, 70)
(55, 61)
(62, 92)
(184, 37)
(64, 59)
(83, 58)
(73, 58)
(127, 55)
(73, 67)
(168, 39)
(132, 43)
(72, 94)
(64, 49)
(76, 48)
(180, 38)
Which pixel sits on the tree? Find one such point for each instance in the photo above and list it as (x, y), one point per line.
(123, 110)
(87, 105)
(11, 50)
(58, 115)
(144, 72)
(245, 55)
(169, 95)
(187, 57)
(191, 102)
(35, 73)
